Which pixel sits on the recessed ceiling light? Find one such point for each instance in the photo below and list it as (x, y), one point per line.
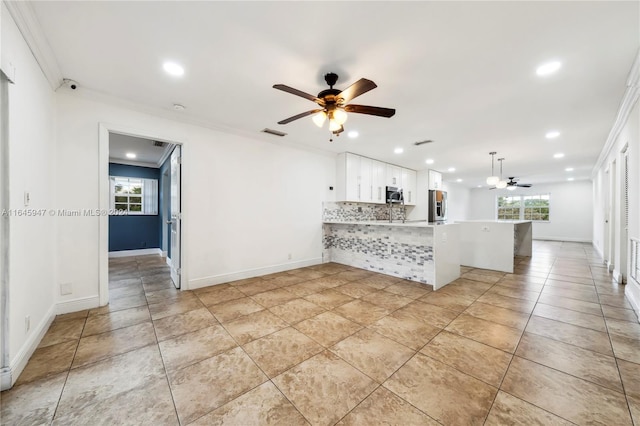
(570, 179)
(479, 186)
(398, 150)
(429, 161)
(353, 134)
(548, 68)
(451, 169)
(458, 180)
(173, 69)
(558, 155)
(568, 169)
(130, 155)
(552, 134)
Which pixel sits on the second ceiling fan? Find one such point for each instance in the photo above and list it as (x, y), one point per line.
(334, 103)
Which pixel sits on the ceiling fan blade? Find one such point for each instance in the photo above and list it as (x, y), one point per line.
(524, 185)
(493, 187)
(371, 110)
(356, 89)
(295, 117)
(300, 93)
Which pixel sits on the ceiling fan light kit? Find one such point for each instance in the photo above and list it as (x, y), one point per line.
(334, 103)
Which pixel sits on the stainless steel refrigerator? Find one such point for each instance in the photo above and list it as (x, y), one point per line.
(437, 206)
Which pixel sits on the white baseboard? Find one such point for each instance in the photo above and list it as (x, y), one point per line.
(164, 253)
(168, 260)
(250, 273)
(76, 305)
(609, 266)
(141, 252)
(597, 249)
(19, 362)
(617, 276)
(632, 291)
(570, 240)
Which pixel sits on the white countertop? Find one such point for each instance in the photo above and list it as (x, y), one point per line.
(513, 222)
(408, 224)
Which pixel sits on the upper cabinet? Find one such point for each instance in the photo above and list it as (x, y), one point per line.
(409, 178)
(364, 180)
(435, 180)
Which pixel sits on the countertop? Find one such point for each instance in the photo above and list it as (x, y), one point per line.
(407, 224)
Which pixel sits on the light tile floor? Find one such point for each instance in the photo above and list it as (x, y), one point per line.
(553, 343)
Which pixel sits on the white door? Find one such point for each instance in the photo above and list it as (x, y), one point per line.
(175, 216)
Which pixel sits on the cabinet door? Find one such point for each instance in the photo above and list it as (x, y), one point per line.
(393, 175)
(365, 190)
(409, 184)
(435, 180)
(378, 181)
(352, 180)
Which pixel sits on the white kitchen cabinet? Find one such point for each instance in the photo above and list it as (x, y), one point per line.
(435, 180)
(393, 176)
(409, 178)
(362, 179)
(378, 181)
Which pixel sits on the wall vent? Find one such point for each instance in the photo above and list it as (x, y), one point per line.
(422, 142)
(273, 132)
(159, 144)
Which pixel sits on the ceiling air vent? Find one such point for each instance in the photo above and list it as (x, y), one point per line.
(273, 132)
(159, 144)
(422, 142)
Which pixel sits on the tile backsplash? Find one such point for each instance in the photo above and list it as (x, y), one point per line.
(359, 212)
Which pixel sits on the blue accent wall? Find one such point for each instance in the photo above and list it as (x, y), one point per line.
(134, 232)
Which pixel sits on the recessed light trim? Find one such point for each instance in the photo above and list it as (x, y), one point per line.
(548, 68)
(570, 179)
(130, 155)
(479, 186)
(173, 69)
(429, 161)
(568, 169)
(398, 150)
(451, 169)
(552, 134)
(458, 180)
(558, 155)
(353, 134)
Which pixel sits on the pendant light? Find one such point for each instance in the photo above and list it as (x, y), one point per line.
(501, 183)
(493, 179)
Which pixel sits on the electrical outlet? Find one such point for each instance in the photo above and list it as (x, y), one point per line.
(66, 288)
(485, 229)
(27, 323)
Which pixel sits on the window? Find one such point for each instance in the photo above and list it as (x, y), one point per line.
(524, 207)
(134, 195)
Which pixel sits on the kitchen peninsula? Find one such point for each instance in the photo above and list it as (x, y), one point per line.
(492, 244)
(417, 251)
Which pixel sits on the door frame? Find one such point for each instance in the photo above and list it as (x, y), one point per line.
(103, 202)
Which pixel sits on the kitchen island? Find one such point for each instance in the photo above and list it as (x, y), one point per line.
(419, 251)
(492, 244)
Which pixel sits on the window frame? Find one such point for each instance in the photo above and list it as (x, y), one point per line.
(129, 180)
(522, 208)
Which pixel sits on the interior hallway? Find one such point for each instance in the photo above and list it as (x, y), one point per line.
(554, 343)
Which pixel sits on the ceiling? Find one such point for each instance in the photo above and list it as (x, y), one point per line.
(459, 73)
(145, 150)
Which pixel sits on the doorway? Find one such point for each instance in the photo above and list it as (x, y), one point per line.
(621, 269)
(142, 193)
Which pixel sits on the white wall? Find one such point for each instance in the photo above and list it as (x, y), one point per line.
(571, 209)
(458, 199)
(32, 168)
(629, 136)
(247, 204)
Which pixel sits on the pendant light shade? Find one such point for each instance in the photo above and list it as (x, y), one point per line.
(493, 179)
(339, 116)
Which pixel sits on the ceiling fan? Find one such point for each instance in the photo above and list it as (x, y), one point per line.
(334, 103)
(512, 182)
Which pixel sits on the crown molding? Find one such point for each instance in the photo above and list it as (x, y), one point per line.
(629, 99)
(27, 22)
